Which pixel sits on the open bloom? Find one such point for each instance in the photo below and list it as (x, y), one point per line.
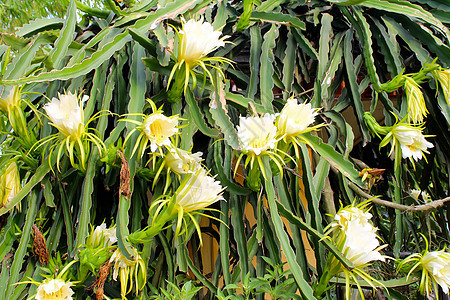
(10, 184)
(437, 264)
(295, 118)
(197, 191)
(158, 128)
(356, 236)
(66, 114)
(257, 134)
(183, 162)
(361, 245)
(417, 109)
(411, 140)
(198, 39)
(54, 289)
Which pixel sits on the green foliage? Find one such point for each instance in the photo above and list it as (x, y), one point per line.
(348, 59)
(277, 283)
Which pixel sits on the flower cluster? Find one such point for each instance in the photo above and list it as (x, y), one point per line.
(260, 135)
(197, 189)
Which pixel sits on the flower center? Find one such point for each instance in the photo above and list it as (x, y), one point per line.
(259, 143)
(156, 129)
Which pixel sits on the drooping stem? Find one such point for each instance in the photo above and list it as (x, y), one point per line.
(398, 200)
(147, 234)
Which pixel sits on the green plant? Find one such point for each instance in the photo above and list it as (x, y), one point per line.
(269, 176)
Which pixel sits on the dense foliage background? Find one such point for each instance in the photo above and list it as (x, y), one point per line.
(335, 55)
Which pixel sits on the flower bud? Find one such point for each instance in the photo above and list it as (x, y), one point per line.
(10, 184)
(417, 109)
(10, 99)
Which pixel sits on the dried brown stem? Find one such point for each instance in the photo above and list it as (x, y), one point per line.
(124, 177)
(39, 245)
(411, 208)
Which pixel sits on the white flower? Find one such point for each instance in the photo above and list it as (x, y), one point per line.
(197, 191)
(437, 263)
(103, 237)
(197, 39)
(133, 271)
(54, 289)
(183, 162)
(351, 214)
(360, 243)
(121, 262)
(158, 128)
(66, 114)
(257, 134)
(295, 118)
(412, 141)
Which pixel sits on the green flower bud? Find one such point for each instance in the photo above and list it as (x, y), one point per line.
(10, 184)
(373, 125)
